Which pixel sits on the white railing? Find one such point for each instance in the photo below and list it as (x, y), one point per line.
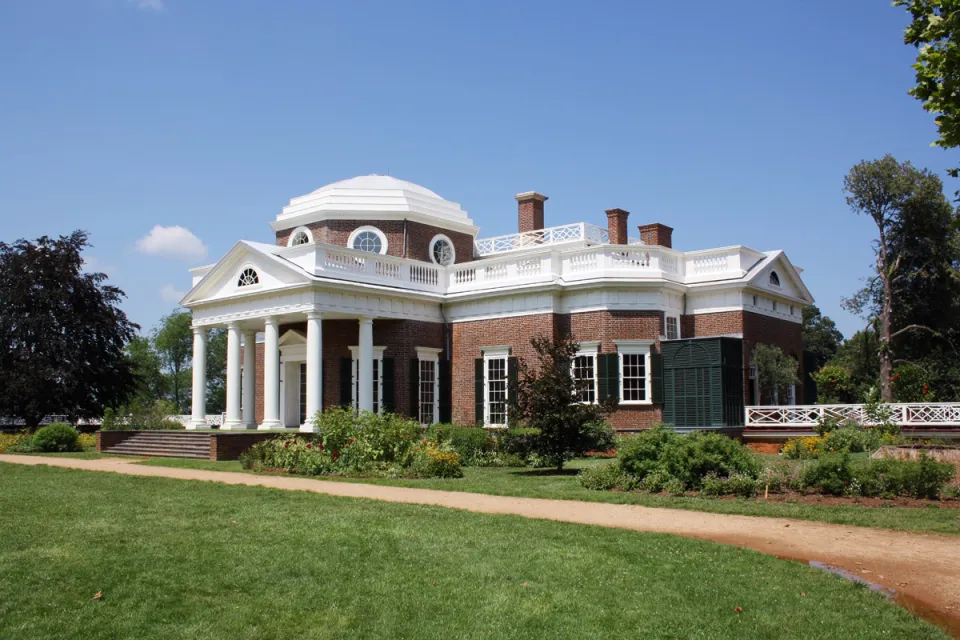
(212, 419)
(920, 414)
(578, 231)
(361, 266)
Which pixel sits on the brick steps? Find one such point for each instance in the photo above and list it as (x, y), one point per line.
(164, 444)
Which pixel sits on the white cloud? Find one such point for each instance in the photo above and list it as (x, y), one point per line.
(170, 294)
(172, 242)
(149, 5)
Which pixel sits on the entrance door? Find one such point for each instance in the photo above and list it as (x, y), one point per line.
(303, 392)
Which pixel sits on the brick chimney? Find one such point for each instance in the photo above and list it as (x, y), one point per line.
(617, 225)
(657, 234)
(530, 210)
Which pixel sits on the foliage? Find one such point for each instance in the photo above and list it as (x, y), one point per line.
(835, 385)
(911, 383)
(62, 333)
(736, 484)
(56, 437)
(911, 300)
(775, 371)
(604, 477)
(435, 460)
(216, 370)
(850, 439)
(15, 442)
(517, 442)
(137, 416)
(639, 455)
(546, 400)
(830, 473)
(805, 448)
(87, 442)
(858, 355)
(820, 336)
(472, 443)
(151, 383)
(173, 341)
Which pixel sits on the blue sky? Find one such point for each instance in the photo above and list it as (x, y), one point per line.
(733, 122)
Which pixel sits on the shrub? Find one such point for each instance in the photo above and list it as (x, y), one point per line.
(655, 481)
(605, 477)
(802, 448)
(640, 454)
(56, 437)
(472, 443)
(136, 416)
(737, 484)
(780, 477)
(831, 473)
(87, 442)
(518, 442)
(674, 486)
(850, 439)
(926, 478)
(15, 443)
(692, 457)
(436, 460)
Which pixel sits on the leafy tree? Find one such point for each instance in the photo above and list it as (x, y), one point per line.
(216, 370)
(62, 332)
(775, 371)
(547, 401)
(173, 340)
(835, 385)
(913, 251)
(151, 384)
(820, 335)
(858, 355)
(934, 32)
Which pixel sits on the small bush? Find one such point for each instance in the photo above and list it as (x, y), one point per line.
(737, 484)
(692, 457)
(831, 473)
(655, 481)
(472, 443)
(674, 486)
(56, 437)
(604, 477)
(436, 460)
(640, 454)
(156, 416)
(87, 442)
(15, 443)
(927, 477)
(780, 477)
(518, 442)
(850, 439)
(802, 448)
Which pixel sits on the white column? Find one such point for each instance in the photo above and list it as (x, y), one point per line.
(365, 365)
(314, 367)
(233, 379)
(249, 400)
(271, 374)
(199, 418)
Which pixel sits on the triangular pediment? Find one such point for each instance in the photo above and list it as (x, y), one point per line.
(790, 284)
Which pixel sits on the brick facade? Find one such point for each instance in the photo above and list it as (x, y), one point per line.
(418, 237)
(530, 211)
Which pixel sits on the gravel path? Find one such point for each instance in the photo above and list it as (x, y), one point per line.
(923, 569)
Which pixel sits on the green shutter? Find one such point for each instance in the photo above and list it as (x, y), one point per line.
(346, 377)
(478, 375)
(608, 376)
(512, 381)
(656, 375)
(389, 391)
(444, 402)
(414, 386)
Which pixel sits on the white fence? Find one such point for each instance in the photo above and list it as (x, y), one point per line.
(213, 420)
(576, 232)
(919, 414)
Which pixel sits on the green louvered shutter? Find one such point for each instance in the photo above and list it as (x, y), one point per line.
(656, 375)
(444, 402)
(512, 381)
(478, 390)
(389, 388)
(414, 387)
(346, 380)
(608, 376)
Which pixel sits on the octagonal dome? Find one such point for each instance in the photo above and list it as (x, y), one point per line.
(374, 197)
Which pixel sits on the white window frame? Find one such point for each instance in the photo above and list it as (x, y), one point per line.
(495, 353)
(250, 287)
(791, 394)
(453, 249)
(589, 350)
(666, 332)
(429, 354)
(294, 233)
(770, 278)
(355, 388)
(356, 232)
(636, 347)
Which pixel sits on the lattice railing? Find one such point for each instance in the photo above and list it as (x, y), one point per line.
(537, 237)
(920, 414)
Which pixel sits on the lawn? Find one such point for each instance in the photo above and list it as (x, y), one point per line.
(546, 483)
(175, 558)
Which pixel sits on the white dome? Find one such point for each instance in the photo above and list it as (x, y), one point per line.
(374, 197)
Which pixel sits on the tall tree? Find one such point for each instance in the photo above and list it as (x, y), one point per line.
(216, 370)
(62, 332)
(895, 196)
(775, 371)
(152, 384)
(820, 335)
(935, 31)
(173, 340)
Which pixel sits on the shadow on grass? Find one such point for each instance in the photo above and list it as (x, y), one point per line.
(538, 473)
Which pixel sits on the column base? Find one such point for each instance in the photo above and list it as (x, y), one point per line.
(250, 426)
(308, 427)
(270, 425)
(233, 425)
(197, 424)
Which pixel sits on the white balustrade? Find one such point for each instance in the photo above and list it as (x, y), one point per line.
(921, 414)
(579, 231)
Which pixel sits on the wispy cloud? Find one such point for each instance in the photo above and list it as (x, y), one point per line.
(172, 242)
(149, 5)
(170, 294)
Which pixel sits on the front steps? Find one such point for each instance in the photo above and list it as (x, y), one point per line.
(167, 444)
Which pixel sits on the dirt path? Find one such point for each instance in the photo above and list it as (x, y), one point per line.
(923, 569)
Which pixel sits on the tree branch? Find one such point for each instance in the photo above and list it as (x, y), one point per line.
(911, 327)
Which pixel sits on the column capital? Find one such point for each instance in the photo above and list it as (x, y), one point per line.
(233, 325)
(271, 321)
(366, 319)
(198, 330)
(314, 315)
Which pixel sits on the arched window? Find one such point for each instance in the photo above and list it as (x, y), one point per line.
(248, 277)
(442, 251)
(368, 239)
(774, 279)
(300, 237)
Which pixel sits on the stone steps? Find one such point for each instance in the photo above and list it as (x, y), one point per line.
(164, 444)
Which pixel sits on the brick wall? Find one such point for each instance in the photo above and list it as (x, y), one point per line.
(419, 235)
(229, 446)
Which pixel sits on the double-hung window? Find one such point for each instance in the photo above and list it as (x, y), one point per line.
(584, 371)
(635, 371)
(672, 327)
(428, 385)
(377, 378)
(495, 386)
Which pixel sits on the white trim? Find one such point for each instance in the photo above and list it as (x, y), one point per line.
(250, 287)
(589, 349)
(354, 387)
(636, 347)
(371, 228)
(429, 354)
(666, 332)
(294, 233)
(489, 354)
(453, 249)
(495, 352)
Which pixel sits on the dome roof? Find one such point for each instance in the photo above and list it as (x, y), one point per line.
(374, 197)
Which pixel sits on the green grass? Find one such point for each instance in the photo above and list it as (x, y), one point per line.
(179, 559)
(80, 455)
(546, 483)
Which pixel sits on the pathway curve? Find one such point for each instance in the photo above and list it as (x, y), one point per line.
(923, 569)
